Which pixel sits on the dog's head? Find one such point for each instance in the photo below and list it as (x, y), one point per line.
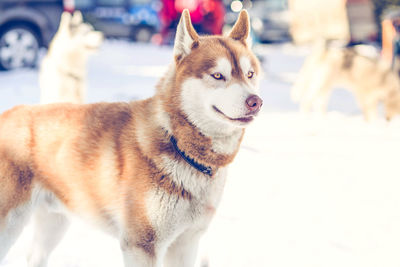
(75, 36)
(217, 76)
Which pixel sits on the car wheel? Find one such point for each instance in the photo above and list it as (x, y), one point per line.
(19, 47)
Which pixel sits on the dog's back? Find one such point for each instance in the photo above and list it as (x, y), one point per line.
(356, 68)
(53, 154)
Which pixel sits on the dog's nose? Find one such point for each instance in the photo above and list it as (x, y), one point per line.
(253, 104)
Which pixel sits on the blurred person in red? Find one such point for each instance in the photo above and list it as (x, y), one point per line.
(207, 16)
(391, 37)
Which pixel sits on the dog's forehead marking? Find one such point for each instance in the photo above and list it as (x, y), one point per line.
(245, 64)
(224, 66)
(233, 58)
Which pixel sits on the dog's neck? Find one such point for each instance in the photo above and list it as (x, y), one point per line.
(71, 74)
(70, 64)
(192, 162)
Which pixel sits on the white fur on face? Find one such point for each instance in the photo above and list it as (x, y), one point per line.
(76, 45)
(197, 106)
(200, 96)
(93, 40)
(224, 67)
(245, 65)
(231, 100)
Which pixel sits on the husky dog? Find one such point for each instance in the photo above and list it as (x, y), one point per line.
(149, 172)
(371, 79)
(62, 76)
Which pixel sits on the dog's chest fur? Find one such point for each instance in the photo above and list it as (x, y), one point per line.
(171, 214)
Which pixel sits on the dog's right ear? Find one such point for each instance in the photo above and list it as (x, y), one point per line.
(241, 29)
(186, 36)
(64, 23)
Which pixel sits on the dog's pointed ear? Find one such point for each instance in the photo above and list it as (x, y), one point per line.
(241, 29)
(186, 36)
(65, 22)
(77, 18)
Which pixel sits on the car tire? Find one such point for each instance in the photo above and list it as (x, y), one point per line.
(19, 47)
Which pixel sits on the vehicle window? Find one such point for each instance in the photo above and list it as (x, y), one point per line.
(82, 4)
(111, 2)
(139, 2)
(272, 5)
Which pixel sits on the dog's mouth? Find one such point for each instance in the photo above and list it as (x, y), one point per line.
(245, 119)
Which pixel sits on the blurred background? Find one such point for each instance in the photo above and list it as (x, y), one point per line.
(154, 21)
(305, 189)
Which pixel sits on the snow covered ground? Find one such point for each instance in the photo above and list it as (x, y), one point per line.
(303, 191)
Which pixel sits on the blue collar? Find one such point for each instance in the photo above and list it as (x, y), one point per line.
(201, 168)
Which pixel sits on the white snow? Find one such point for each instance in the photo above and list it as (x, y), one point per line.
(303, 190)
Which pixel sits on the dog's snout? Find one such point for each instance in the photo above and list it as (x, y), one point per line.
(253, 104)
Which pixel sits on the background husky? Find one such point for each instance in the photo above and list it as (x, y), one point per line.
(149, 172)
(62, 76)
(370, 79)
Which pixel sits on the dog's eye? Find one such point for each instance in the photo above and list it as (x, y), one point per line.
(218, 76)
(250, 74)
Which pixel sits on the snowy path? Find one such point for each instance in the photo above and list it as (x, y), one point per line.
(303, 191)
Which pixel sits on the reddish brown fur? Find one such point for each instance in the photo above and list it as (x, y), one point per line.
(85, 132)
(240, 30)
(92, 155)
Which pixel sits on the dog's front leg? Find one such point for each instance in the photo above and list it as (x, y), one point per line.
(139, 254)
(134, 257)
(183, 251)
(49, 228)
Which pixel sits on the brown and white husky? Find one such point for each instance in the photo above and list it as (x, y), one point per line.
(369, 78)
(150, 172)
(62, 76)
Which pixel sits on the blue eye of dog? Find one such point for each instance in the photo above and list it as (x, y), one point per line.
(218, 76)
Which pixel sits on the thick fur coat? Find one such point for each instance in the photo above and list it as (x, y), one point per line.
(114, 165)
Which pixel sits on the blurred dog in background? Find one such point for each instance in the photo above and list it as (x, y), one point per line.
(368, 77)
(62, 76)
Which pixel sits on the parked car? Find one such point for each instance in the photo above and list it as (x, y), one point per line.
(133, 19)
(25, 27)
(270, 20)
(28, 25)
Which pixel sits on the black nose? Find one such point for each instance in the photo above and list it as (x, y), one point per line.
(253, 104)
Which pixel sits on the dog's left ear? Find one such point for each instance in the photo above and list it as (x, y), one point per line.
(186, 36)
(65, 22)
(241, 29)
